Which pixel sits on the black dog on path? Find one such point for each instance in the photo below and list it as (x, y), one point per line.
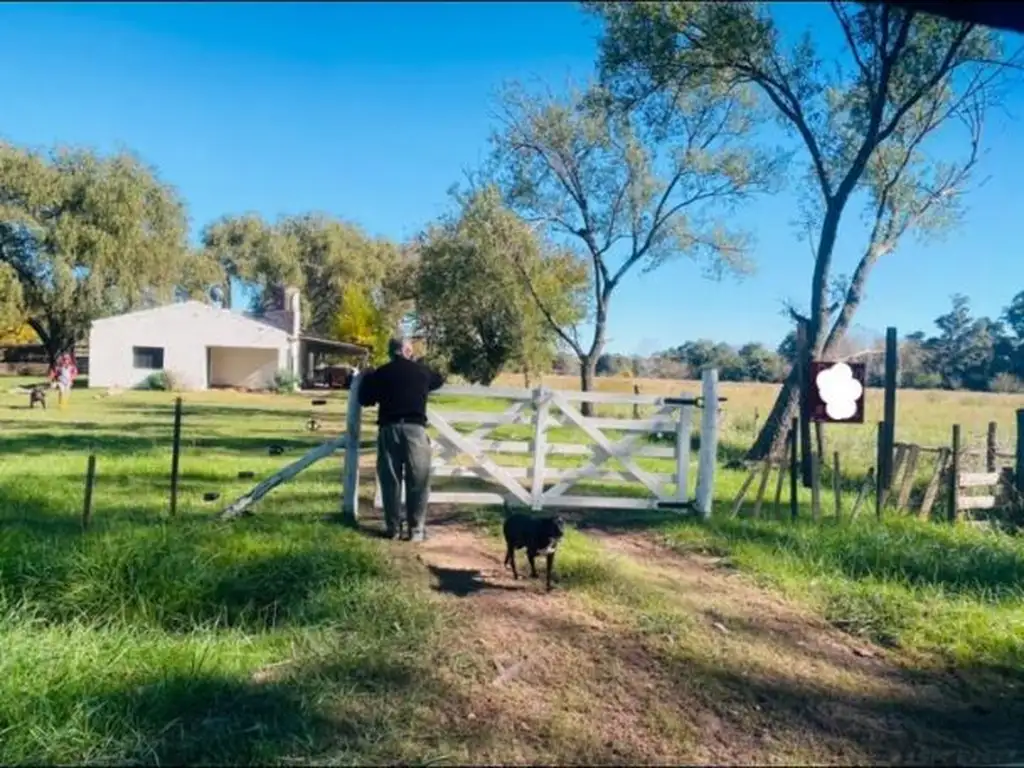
(538, 535)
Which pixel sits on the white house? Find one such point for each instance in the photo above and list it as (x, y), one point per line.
(203, 346)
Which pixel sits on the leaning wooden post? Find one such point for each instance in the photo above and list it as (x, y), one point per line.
(175, 456)
(90, 479)
(794, 467)
(708, 442)
(350, 477)
(1019, 463)
(954, 475)
(990, 447)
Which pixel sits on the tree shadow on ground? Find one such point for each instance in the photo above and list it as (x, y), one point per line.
(929, 723)
(354, 709)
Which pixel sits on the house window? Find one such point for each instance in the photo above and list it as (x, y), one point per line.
(148, 358)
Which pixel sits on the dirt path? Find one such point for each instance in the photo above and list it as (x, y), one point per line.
(710, 669)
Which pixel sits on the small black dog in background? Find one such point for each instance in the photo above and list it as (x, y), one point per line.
(538, 535)
(37, 395)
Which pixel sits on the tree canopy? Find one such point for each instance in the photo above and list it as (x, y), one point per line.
(315, 253)
(490, 294)
(626, 188)
(865, 121)
(86, 236)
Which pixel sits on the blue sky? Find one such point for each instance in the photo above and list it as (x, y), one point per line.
(371, 111)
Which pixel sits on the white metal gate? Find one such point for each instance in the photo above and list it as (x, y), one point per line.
(539, 486)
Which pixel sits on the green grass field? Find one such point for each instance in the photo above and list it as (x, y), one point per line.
(284, 637)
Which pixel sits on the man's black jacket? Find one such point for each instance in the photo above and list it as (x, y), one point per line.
(400, 388)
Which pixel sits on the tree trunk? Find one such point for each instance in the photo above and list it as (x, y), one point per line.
(771, 439)
(588, 369)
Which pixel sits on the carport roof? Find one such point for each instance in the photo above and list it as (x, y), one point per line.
(338, 346)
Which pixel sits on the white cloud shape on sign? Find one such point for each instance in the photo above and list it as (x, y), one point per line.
(839, 390)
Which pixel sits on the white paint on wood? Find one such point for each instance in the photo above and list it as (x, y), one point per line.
(684, 427)
(350, 478)
(976, 502)
(708, 442)
(569, 449)
(978, 479)
(542, 402)
(632, 425)
(617, 451)
(448, 433)
(242, 504)
(461, 455)
(442, 469)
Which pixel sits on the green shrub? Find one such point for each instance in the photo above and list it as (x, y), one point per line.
(162, 381)
(285, 382)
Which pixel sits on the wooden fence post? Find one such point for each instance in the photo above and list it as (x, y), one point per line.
(990, 447)
(815, 486)
(837, 487)
(708, 443)
(954, 475)
(889, 406)
(350, 476)
(1019, 463)
(794, 468)
(90, 479)
(175, 456)
(880, 463)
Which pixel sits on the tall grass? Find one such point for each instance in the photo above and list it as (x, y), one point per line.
(932, 589)
(203, 643)
(150, 640)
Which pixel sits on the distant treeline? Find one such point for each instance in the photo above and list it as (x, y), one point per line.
(967, 352)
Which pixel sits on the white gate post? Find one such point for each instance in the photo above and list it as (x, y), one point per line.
(708, 442)
(350, 476)
(683, 428)
(541, 403)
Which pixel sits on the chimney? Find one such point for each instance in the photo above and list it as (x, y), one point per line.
(294, 309)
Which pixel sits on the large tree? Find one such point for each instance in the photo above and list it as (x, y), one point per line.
(866, 122)
(483, 276)
(85, 236)
(627, 188)
(318, 254)
(11, 307)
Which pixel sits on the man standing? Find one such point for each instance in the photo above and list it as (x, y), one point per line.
(400, 388)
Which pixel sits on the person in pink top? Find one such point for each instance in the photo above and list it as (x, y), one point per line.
(64, 374)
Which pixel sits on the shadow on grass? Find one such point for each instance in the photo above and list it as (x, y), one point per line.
(462, 582)
(207, 720)
(938, 722)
